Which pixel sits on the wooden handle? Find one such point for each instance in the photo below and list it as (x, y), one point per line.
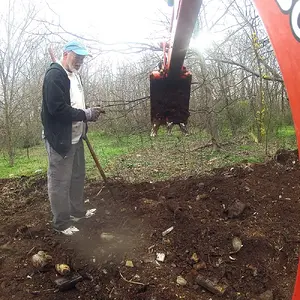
(50, 50)
(96, 159)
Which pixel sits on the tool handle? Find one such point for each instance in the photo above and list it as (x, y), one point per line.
(95, 159)
(99, 166)
(51, 53)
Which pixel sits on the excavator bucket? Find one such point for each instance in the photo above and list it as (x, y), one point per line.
(170, 86)
(169, 100)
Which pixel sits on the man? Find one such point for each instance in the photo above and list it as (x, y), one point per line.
(64, 116)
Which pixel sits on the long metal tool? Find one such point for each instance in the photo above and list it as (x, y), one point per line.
(100, 169)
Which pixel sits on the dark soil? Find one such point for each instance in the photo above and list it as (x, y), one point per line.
(206, 217)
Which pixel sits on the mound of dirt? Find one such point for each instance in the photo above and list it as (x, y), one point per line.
(117, 251)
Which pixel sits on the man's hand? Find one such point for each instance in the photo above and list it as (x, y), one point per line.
(92, 114)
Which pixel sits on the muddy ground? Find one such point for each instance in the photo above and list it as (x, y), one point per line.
(206, 213)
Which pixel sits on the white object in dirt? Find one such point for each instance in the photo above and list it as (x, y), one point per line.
(106, 236)
(237, 244)
(160, 257)
(181, 281)
(41, 259)
(164, 233)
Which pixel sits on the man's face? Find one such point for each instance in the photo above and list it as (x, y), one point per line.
(74, 61)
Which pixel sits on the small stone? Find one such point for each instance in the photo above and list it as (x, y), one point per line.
(104, 271)
(267, 295)
(97, 288)
(160, 257)
(201, 197)
(195, 257)
(236, 209)
(200, 266)
(181, 281)
(40, 260)
(211, 285)
(136, 277)
(129, 263)
(237, 244)
(166, 241)
(149, 258)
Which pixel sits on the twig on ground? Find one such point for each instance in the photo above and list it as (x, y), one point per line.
(41, 291)
(209, 145)
(131, 281)
(30, 251)
(100, 191)
(110, 293)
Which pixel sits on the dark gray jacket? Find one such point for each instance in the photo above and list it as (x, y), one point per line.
(57, 113)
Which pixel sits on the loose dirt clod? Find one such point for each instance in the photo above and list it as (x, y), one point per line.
(210, 285)
(236, 209)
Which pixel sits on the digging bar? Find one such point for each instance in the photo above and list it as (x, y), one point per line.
(100, 169)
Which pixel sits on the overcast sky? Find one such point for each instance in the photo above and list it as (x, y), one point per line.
(111, 20)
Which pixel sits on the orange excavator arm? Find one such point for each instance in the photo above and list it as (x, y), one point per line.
(281, 20)
(170, 86)
(185, 13)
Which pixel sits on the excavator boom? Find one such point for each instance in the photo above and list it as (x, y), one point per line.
(170, 86)
(185, 14)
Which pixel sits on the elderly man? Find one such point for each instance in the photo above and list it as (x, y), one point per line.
(64, 116)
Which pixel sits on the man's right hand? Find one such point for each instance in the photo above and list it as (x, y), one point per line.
(92, 114)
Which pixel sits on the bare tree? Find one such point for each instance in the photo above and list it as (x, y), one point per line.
(17, 46)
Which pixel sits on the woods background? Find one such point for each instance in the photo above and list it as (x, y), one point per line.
(237, 91)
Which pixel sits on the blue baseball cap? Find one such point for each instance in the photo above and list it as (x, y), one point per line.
(76, 47)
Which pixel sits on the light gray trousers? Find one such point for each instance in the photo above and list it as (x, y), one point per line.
(66, 177)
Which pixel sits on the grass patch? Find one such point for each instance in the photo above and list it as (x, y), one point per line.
(137, 157)
(286, 131)
(26, 163)
(107, 148)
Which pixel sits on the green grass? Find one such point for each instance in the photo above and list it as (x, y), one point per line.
(286, 131)
(107, 148)
(137, 157)
(25, 165)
